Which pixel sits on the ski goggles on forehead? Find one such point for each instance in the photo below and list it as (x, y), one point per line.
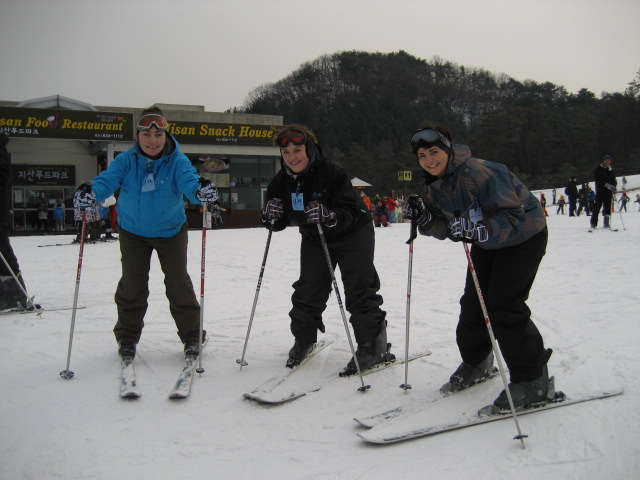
(428, 136)
(291, 136)
(152, 120)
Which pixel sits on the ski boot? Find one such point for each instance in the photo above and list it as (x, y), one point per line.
(13, 297)
(126, 349)
(192, 348)
(299, 352)
(370, 354)
(468, 375)
(529, 393)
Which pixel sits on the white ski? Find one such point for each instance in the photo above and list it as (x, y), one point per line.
(182, 387)
(268, 397)
(261, 393)
(396, 412)
(386, 435)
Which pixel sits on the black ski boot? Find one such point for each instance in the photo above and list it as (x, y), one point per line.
(192, 348)
(20, 296)
(126, 349)
(12, 296)
(528, 393)
(299, 352)
(468, 375)
(370, 354)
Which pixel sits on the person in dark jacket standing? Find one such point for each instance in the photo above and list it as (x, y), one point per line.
(482, 203)
(153, 176)
(311, 190)
(583, 200)
(571, 191)
(605, 179)
(11, 295)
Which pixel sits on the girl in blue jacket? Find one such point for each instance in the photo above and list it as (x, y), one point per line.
(152, 177)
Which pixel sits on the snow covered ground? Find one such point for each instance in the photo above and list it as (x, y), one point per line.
(585, 302)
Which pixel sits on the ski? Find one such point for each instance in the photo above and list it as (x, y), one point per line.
(182, 387)
(42, 309)
(387, 436)
(260, 394)
(128, 384)
(267, 396)
(444, 392)
(94, 242)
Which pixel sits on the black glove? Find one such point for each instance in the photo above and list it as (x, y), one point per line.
(414, 210)
(610, 187)
(84, 197)
(319, 213)
(272, 210)
(464, 230)
(208, 191)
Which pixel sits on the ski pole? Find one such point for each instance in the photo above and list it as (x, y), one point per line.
(494, 344)
(364, 387)
(24, 290)
(200, 370)
(620, 212)
(66, 373)
(241, 361)
(414, 233)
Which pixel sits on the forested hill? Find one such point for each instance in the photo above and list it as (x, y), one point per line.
(364, 106)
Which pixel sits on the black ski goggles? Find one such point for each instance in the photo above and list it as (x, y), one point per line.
(152, 120)
(291, 136)
(427, 137)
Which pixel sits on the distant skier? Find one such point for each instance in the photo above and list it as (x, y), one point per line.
(605, 179)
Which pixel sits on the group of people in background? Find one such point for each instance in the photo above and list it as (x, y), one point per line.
(384, 210)
(585, 199)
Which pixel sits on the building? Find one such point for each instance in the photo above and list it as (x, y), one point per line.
(57, 143)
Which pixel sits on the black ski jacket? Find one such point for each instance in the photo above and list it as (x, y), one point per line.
(602, 176)
(327, 182)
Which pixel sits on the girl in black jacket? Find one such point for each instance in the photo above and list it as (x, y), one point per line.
(312, 190)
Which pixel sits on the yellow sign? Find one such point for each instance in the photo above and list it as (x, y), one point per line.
(405, 176)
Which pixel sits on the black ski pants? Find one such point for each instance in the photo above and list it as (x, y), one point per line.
(133, 289)
(353, 254)
(572, 205)
(9, 256)
(505, 276)
(603, 200)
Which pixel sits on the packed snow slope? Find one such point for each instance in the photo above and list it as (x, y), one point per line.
(585, 302)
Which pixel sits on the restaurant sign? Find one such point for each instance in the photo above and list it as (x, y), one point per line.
(66, 124)
(35, 175)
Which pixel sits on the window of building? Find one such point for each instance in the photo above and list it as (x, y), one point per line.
(27, 201)
(248, 176)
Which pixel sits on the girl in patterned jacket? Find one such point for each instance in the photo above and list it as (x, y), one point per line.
(484, 204)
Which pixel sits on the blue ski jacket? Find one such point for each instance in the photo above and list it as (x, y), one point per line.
(158, 212)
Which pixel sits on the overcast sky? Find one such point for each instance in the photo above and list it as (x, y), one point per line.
(135, 53)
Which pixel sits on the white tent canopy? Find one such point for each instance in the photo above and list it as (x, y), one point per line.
(356, 182)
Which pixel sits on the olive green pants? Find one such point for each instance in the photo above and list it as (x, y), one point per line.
(133, 289)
